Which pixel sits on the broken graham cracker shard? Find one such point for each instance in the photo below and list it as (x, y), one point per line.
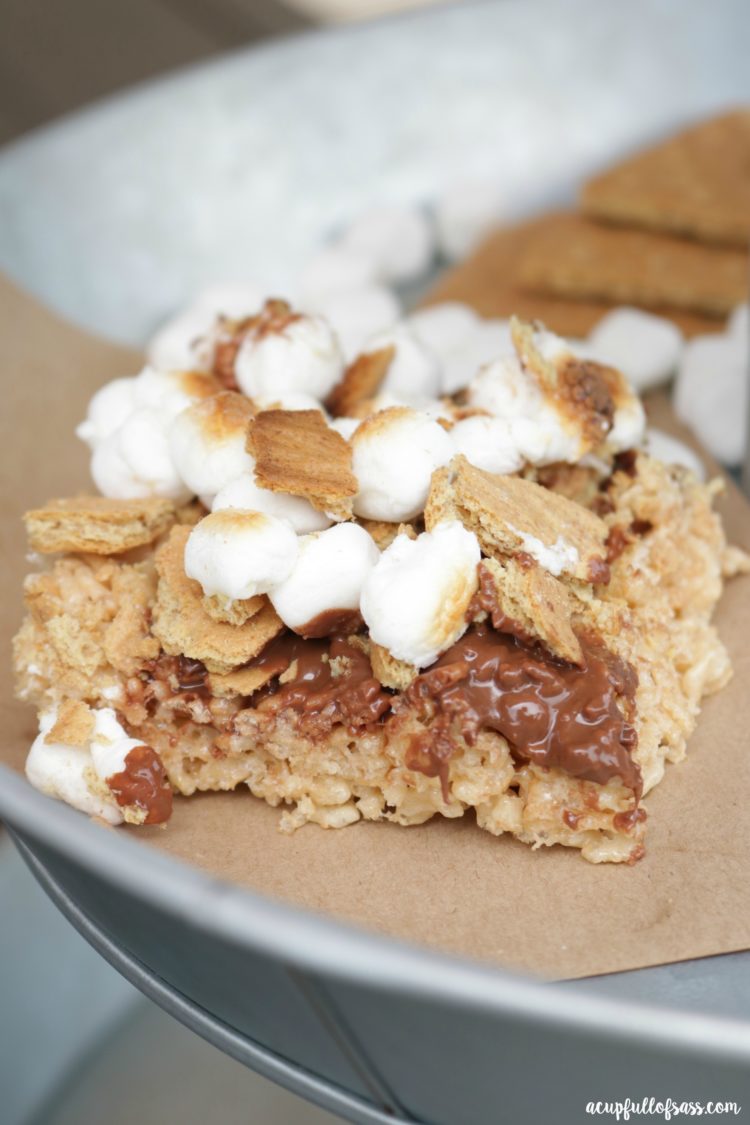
(360, 382)
(575, 257)
(74, 725)
(512, 516)
(295, 451)
(183, 626)
(697, 184)
(96, 525)
(530, 603)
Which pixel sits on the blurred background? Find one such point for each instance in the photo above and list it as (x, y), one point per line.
(56, 57)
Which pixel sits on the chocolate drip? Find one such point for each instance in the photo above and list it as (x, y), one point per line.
(325, 682)
(343, 622)
(192, 676)
(143, 783)
(551, 713)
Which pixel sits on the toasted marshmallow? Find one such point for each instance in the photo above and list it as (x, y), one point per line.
(207, 442)
(301, 356)
(397, 239)
(646, 348)
(244, 493)
(673, 452)
(394, 454)
(107, 410)
(329, 574)
(413, 374)
(710, 393)
(110, 744)
(415, 600)
(236, 554)
(356, 315)
(184, 343)
(67, 773)
(136, 461)
(487, 443)
(171, 392)
(465, 211)
(336, 269)
(557, 558)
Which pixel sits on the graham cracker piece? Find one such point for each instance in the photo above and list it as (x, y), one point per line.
(295, 451)
(242, 681)
(575, 257)
(235, 612)
(489, 281)
(531, 603)
(360, 381)
(696, 183)
(182, 625)
(513, 516)
(392, 672)
(578, 388)
(384, 533)
(97, 525)
(73, 726)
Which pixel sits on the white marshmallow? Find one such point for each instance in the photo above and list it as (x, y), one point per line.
(394, 454)
(487, 443)
(738, 325)
(345, 426)
(110, 744)
(646, 348)
(237, 554)
(398, 239)
(244, 493)
(628, 424)
(413, 374)
(335, 269)
(329, 573)
(107, 410)
(490, 340)
(673, 452)
(171, 392)
(66, 773)
(135, 460)
(304, 356)
(289, 400)
(207, 443)
(358, 314)
(555, 557)
(414, 601)
(444, 327)
(184, 342)
(465, 211)
(710, 394)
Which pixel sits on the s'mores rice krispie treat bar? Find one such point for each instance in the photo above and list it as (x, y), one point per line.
(361, 596)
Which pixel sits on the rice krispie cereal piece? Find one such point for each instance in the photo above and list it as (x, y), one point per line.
(532, 645)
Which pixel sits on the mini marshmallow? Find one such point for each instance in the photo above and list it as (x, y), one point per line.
(330, 572)
(487, 443)
(107, 410)
(413, 374)
(236, 554)
(110, 744)
(628, 424)
(135, 461)
(358, 314)
(67, 774)
(444, 327)
(398, 239)
(303, 356)
(646, 348)
(244, 493)
(673, 452)
(394, 454)
(207, 443)
(184, 343)
(171, 392)
(489, 340)
(415, 600)
(465, 211)
(710, 394)
(557, 557)
(335, 269)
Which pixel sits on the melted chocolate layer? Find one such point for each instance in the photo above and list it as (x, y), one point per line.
(330, 682)
(143, 783)
(331, 622)
(551, 713)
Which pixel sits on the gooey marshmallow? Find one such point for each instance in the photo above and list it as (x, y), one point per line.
(107, 410)
(135, 460)
(236, 554)
(415, 600)
(110, 744)
(329, 574)
(68, 773)
(207, 442)
(394, 454)
(302, 356)
(413, 374)
(243, 492)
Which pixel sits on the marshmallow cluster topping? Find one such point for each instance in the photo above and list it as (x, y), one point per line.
(415, 600)
(287, 354)
(207, 442)
(394, 454)
(236, 554)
